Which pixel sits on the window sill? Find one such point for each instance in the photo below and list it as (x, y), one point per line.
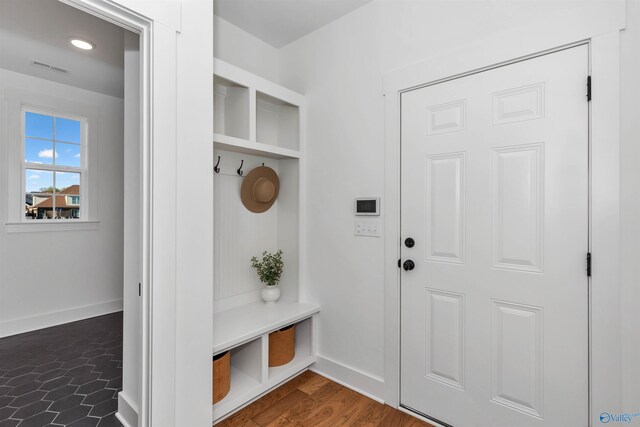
(53, 225)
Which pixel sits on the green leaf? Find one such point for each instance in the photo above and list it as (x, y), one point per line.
(269, 268)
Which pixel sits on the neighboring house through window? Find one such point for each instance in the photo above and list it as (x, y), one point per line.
(54, 165)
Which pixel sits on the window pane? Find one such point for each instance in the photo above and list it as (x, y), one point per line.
(68, 199)
(66, 180)
(38, 194)
(38, 125)
(67, 130)
(67, 154)
(38, 151)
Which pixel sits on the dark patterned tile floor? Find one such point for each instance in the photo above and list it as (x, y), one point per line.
(67, 375)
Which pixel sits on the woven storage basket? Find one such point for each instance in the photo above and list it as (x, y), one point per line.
(282, 346)
(221, 376)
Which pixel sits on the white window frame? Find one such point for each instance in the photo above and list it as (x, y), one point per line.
(17, 99)
(82, 170)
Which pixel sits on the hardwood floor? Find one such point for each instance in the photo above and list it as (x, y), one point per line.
(312, 400)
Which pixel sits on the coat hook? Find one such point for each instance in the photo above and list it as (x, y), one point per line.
(240, 172)
(216, 169)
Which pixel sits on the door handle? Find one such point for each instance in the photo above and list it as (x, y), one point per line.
(408, 265)
(409, 242)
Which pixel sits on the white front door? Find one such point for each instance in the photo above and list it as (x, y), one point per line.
(495, 175)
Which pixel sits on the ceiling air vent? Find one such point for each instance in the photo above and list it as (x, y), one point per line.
(49, 67)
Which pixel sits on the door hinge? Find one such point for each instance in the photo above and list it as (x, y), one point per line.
(588, 264)
(588, 88)
(139, 289)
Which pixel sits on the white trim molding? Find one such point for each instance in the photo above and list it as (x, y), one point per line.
(27, 324)
(600, 25)
(158, 144)
(605, 303)
(361, 382)
(57, 225)
(127, 411)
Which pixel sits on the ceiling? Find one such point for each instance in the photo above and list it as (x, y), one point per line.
(280, 22)
(39, 30)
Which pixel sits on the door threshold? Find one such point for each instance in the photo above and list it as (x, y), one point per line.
(424, 417)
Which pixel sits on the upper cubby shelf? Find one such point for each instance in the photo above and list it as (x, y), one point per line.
(231, 107)
(254, 115)
(277, 122)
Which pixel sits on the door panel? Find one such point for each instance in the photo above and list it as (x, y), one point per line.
(495, 193)
(517, 175)
(445, 337)
(445, 208)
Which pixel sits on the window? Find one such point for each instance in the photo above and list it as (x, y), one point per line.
(54, 166)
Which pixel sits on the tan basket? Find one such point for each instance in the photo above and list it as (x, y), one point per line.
(282, 346)
(221, 376)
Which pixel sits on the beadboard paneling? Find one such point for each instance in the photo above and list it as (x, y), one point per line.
(240, 234)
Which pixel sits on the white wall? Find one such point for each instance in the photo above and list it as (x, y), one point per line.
(47, 278)
(237, 47)
(340, 67)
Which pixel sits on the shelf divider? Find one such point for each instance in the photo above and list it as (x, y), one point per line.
(253, 122)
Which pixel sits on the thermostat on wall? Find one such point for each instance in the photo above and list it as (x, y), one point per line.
(367, 206)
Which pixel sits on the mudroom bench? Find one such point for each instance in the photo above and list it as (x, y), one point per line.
(244, 333)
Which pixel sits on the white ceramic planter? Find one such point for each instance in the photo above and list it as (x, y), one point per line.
(270, 294)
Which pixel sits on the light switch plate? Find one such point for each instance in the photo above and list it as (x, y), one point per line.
(369, 228)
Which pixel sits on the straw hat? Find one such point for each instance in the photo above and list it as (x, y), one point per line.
(260, 189)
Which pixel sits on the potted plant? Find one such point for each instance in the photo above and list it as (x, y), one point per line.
(269, 271)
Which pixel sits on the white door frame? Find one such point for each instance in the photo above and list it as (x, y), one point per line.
(599, 25)
(157, 139)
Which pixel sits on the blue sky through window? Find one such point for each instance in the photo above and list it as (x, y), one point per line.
(37, 179)
(38, 151)
(67, 154)
(38, 125)
(67, 130)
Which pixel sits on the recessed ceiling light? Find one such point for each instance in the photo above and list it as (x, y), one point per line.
(81, 43)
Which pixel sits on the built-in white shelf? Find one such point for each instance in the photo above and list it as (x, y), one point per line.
(247, 374)
(256, 122)
(231, 108)
(243, 78)
(229, 143)
(239, 325)
(254, 115)
(304, 356)
(277, 122)
(242, 389)
(244, 331)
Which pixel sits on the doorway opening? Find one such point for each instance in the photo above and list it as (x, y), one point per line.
(71, 315)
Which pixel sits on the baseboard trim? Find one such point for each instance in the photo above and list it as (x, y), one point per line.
(28, 324)
(127, 412)
(356, 380)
